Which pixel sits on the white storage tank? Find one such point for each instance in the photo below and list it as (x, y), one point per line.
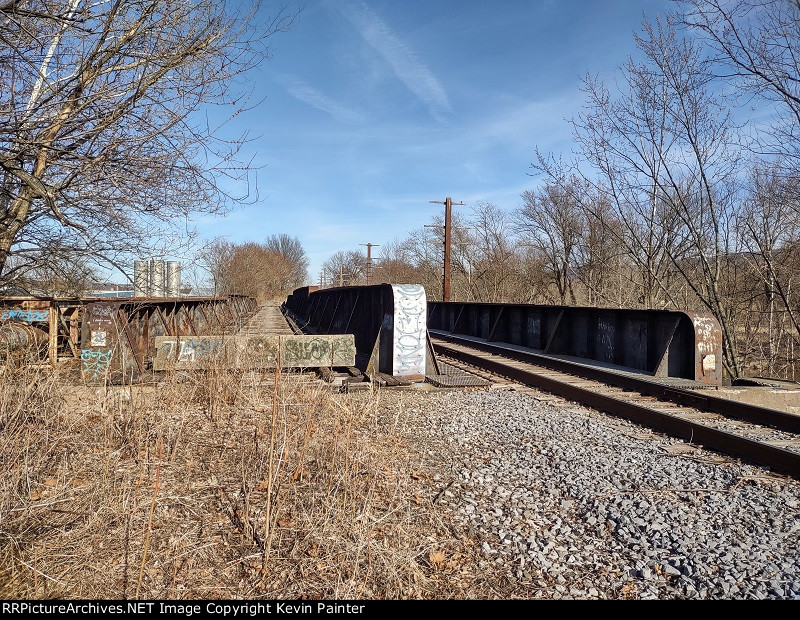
(157, 283)
(173, 287)
(141, 278)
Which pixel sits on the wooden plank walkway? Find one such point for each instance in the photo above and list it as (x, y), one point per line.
(267, 321)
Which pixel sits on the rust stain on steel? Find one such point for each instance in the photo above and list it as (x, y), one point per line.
(133, 341)
(119, 337)
(18, 336)
(707, 348)
(107, 335)
(98, 340)
(164, 322)
(188, 320)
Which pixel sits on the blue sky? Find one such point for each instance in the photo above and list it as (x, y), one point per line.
(372, 108)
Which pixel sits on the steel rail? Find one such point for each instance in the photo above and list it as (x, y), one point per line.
(773, 457)
(765, 416)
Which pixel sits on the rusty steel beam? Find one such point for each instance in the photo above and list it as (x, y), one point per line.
(67, 329)
(160, 313)
(106, 335)
(141, 321)
(188, 319)
(133, 342)
(53, 327)
(28, 322)
(205, 315)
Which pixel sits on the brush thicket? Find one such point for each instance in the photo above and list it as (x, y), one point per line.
(215, 484)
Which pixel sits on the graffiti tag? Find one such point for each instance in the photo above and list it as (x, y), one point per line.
(95, 364)
(315, 349)
(409, 330)
(605, 339)
(103, 310)
(704, 328)
(189, 349)
(26, 316)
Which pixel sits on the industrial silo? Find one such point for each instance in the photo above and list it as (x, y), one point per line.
(157, 278)
(141, 278)
(173, 287)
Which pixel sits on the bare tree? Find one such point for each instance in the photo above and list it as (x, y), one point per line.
(257, 271)
(600, 266)
(770, 231)
(294, 253)
(101, 143)
(424, 248)
(260, 270)
(663, 148)
(345, 268)
(625, 139)
(215, 259)
(396, 265)
(494, 261)
(756, 45)
(550, 221)
(57, 272)
(700, 174)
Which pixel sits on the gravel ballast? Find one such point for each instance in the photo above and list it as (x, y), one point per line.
(567, 502)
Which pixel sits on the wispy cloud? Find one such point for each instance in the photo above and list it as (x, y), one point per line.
(306, 93)
(405, 63)
(530, 123)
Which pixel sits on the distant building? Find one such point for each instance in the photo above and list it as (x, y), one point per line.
(110, 289)
(124, 290)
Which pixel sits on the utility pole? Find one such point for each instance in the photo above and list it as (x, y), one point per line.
(448, 217)
(341, 275)
(369, 258)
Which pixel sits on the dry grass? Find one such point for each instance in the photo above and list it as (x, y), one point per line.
(218, 485)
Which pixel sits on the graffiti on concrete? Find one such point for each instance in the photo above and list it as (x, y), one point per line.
(185, 352)
(189, 349)
(315, 349)
(409, 350)
(295, 351)
(261, 351)
(26, 316)
(95, 364)
(304, 351)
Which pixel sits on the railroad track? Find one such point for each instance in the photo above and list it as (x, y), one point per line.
(759, 435)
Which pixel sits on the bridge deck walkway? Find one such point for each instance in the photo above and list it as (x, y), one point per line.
(267, 321)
